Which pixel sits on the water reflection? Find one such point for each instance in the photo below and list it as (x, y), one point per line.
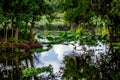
(11, 66)
(55, 56)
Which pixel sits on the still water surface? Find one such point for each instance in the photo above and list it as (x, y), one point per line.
(55, 55)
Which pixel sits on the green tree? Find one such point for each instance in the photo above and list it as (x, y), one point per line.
(76, 11)
(81, 11)
(21, 12)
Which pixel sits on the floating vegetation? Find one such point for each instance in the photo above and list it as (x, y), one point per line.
(34, 71)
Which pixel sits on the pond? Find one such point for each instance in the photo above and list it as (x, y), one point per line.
(53, 56)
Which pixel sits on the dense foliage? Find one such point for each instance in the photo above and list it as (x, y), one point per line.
(90, 21)
(91, 16)
(17, 22)
(19, 16)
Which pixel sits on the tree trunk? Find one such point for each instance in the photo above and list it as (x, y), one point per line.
(12, 22)
(26, 62)
(6, 35)
(26, 26)
(32, 65)
(17, 63)
(12, 70)
(31, 32)
(92, 5)
(74, 27)
(31, 60)
(5, 32)
(16, 34)
(31, 28)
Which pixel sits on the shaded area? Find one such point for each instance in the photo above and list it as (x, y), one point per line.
(15, 57)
